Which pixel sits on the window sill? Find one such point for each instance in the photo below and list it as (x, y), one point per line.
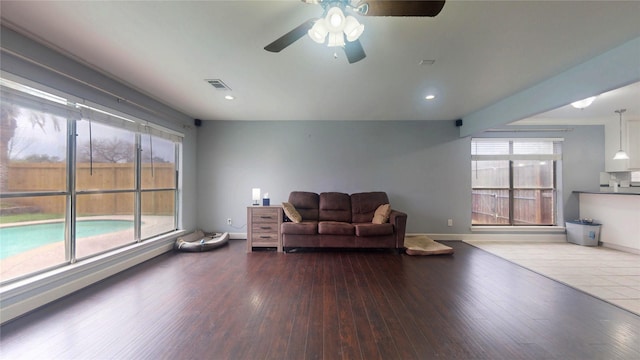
(515, 229)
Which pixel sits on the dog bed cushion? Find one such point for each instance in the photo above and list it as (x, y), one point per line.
(424, 245)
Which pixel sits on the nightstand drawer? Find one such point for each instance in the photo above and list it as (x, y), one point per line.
(265, 215)
(264, 239)
(265, 227)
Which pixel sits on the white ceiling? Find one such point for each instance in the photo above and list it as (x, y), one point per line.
(483, 52)
(601, 111)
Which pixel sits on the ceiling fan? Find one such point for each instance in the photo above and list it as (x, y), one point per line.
(335, 25)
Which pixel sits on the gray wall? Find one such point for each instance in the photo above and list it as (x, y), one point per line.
(583, 160)
(423, 166)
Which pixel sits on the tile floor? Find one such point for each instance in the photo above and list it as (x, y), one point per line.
(611, 275)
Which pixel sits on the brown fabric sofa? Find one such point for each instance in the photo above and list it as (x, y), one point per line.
(339, 220)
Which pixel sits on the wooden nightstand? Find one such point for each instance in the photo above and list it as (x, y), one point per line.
(263, 227)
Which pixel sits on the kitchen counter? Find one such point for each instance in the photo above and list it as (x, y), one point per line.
(607, 192)
(619, 216)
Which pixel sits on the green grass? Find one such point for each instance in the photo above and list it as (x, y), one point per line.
(6, 219)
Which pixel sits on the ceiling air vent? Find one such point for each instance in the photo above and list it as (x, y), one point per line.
(218, 84)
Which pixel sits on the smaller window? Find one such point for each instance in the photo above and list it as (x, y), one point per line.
(514, 181)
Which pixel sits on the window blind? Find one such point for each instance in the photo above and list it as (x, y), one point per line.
(18, 99)
(69, 107)
(516, 149)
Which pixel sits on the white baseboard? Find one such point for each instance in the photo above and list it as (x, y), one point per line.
(238, 236)
(27, 295)
(621, 248)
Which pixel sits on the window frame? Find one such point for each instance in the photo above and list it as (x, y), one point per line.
(74, 110)
(555, 158)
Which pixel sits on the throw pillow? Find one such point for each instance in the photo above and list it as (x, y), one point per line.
(381, 215)
(291, 212)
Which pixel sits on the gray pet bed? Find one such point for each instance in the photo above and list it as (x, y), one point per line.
(200, 241)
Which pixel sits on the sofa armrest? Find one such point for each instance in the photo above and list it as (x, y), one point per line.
(399, 221)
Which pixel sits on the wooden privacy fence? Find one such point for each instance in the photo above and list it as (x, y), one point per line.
(42, 177)
(533, 207)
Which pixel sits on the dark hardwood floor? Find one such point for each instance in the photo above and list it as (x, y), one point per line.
(227, 304)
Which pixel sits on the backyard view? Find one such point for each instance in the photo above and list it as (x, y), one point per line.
(513, 182)
(37, 227)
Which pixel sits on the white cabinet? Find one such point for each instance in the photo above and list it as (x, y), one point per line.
(630, 144)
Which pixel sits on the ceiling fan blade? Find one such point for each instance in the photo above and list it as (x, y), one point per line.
(403, 8)
(354, 51)
(290, 37)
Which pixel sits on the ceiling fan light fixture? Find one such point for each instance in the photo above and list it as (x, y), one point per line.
(336, 25)
(335, 20)
(352, 28)
(581, 104)
(318, 32)
(335, 39)
(339, 25)
(362, 9)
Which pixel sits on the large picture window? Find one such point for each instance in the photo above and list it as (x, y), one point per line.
(158, 179)
(514, 181)
(77, 180)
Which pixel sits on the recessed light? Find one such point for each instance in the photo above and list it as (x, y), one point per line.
(430, 97)
(229, 97)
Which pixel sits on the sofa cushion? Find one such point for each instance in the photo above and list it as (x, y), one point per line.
(302, 228)
(306, 203)
(335, 206)
(364, 205)
(335, 228)
(370, 229)
(291, 212)
(381, 215)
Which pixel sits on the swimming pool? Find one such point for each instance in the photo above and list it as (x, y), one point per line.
(17, 239)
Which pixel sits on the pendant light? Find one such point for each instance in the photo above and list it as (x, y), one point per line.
(620, 155)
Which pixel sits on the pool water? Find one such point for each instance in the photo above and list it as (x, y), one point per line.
(17, 239)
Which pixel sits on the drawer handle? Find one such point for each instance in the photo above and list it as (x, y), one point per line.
(265, 237)
(265, 227)
(265, 217)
